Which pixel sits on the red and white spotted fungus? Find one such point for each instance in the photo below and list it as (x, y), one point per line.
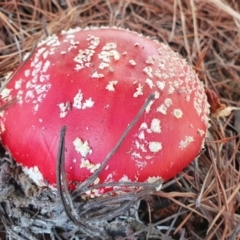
(94, 81)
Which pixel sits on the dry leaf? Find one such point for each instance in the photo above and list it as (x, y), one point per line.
(225, 112)
(217, 108)
(198, 67)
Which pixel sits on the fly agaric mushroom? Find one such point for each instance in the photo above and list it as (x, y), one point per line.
(94, 81)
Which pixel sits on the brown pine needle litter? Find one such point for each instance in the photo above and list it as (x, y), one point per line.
(202, 202)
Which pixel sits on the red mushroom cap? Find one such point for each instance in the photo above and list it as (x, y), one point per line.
(94, 81)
